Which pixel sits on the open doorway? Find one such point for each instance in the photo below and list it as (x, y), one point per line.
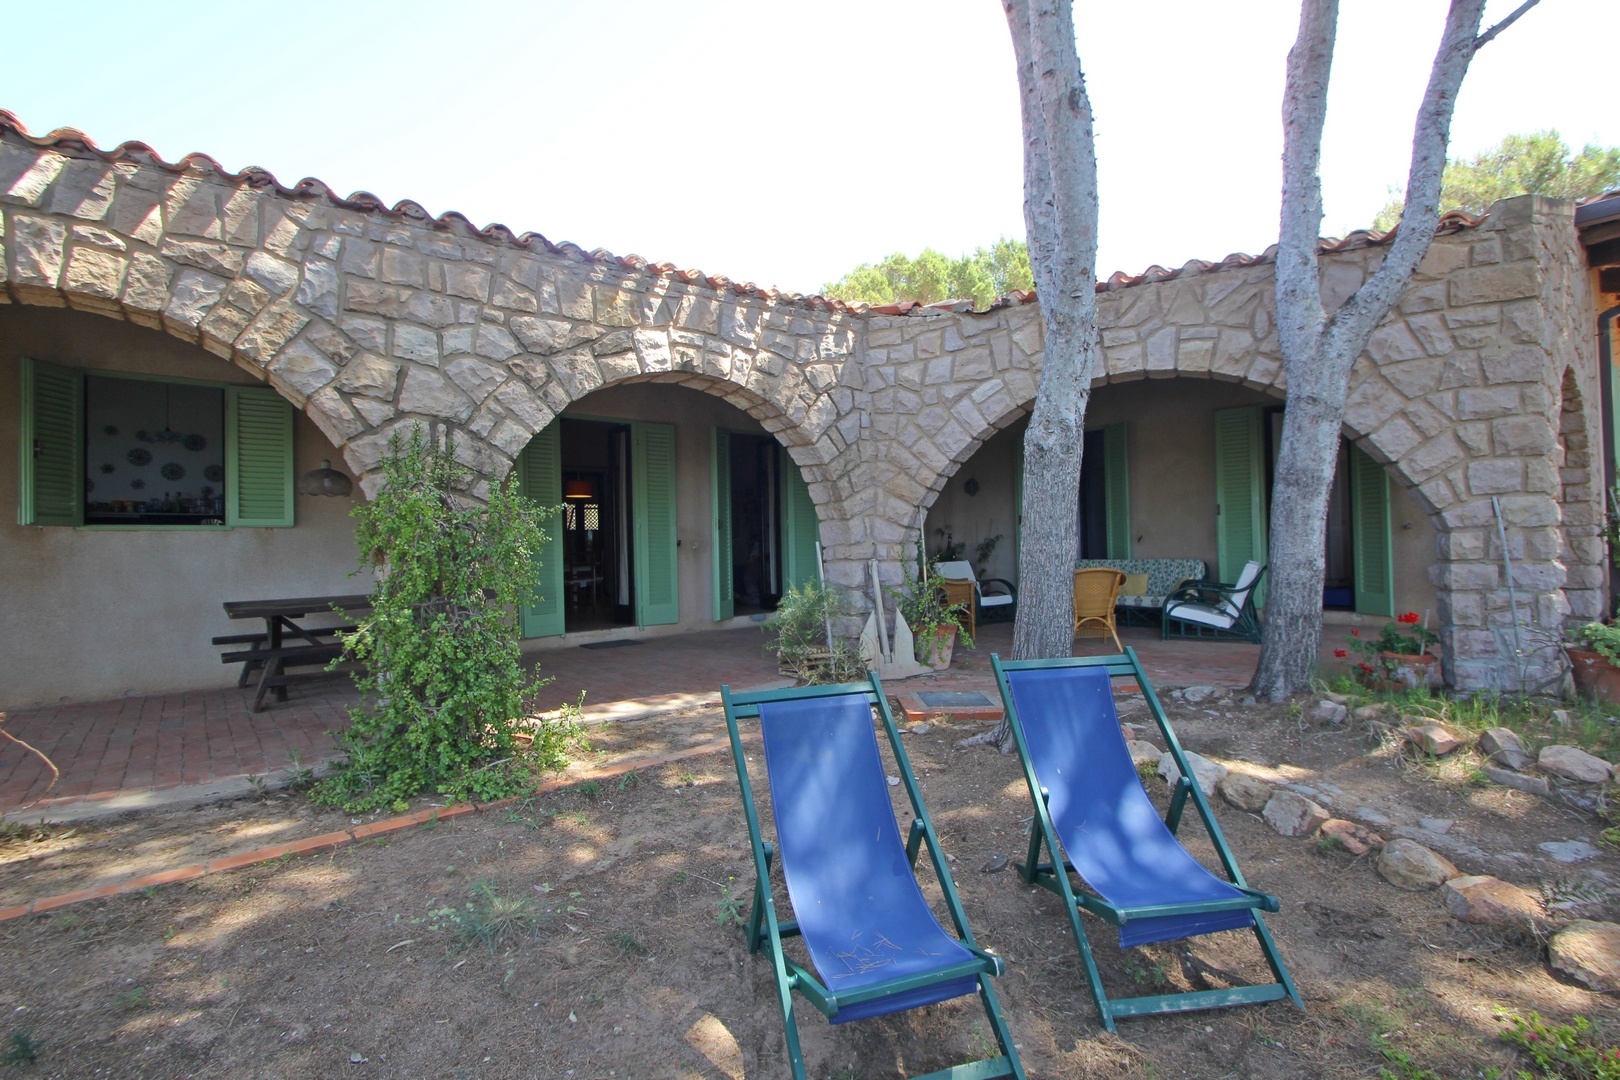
(756, 534)
(596, 534)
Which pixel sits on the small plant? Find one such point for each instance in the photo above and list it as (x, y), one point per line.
(1147, 772)
(626, 943)
(799, 632)
(729, 910)
(298, 777)
(22, 1048)
(1598, 638)
(1404, 1068)
(922, 603)
(1149, 973)
(491, 919)
(132, 999)
(260, 789)
(588, 789)
(1562, 1050)
(1403, 637)
(631, 779)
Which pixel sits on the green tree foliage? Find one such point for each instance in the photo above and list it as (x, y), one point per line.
(1537, 164)
(445, 691)
(983, 277)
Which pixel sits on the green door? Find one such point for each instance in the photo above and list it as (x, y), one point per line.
(539, 472)
(800, 527)
(1117, 491)
(1369, 526)
(652, 483)
(1240, 523)
(725, 602)
(50, 453)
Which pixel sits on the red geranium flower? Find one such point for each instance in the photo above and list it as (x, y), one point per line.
(1366, 667)
(1340, 653)
(1355, 633)
(1410, 618)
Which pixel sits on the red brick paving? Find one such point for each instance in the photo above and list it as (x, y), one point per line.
(135, 745)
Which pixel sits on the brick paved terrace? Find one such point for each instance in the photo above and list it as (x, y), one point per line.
(201, 743)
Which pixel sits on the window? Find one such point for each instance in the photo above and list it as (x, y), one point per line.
(103, 449)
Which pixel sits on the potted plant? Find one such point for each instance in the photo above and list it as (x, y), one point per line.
(1594, 659)
(799, 635)
(936, 624)
(1397, 659)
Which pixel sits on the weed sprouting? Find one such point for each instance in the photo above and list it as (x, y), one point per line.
(588, 789)
(22, 1049)
(626, 943)
(631, 779)
(132, 999)
(729, 909)
(1403, 1067)
(491, 919)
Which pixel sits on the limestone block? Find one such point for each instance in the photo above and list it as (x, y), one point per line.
(335, 419)
(318, 292)
(1413, 378)
(386, 300)
(1521, 363)
(277, 275)
(1206, 772)
(192, 209)
(1393, 342)
(1435, 739)
(27, 174)
(95, 273)
(428, 393)
(1493, 284)
(1573, 763)
(277, 324)
(1589, 953)
(1487, 402)
(194, 294)
(521, 404)
(476, 378)
(412, 342)
(1407, 864)
(37, 250)
(514, 297)
(1245, 792)
(1292, 814)
(1495, 477)
(431, 309)
(1372, 403)
(1356, 839)
(1437, 455)
(1490, 901)
(494, 343)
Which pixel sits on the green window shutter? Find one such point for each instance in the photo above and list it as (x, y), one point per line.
(50, 453)
(258, 458)
(1117, 491)
(1240, 524)
(539, 473)
(800, 526)
(652, 478)
(1369, 526)
(725, 602)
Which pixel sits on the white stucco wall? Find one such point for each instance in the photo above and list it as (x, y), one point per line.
(90, 614)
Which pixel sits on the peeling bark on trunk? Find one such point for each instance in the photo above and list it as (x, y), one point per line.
(1060, 214)
(1320, 349)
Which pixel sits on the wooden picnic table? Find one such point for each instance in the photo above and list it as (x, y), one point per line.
(284, 643)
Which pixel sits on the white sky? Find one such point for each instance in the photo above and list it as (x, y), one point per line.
(784, 143)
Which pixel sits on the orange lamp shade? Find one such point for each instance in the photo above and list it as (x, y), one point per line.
(578, 489)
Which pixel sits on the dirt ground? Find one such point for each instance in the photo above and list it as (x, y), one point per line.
(363, 962)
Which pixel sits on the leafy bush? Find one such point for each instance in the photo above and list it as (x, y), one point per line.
(926, 611)
(1598, 638)
(798, 630)
(445, 693)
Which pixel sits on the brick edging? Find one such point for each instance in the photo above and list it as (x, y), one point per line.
(332, 840)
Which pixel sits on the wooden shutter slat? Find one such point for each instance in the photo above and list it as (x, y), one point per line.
(802, 526)
(51, 445)
(1117, 491)
(258, 458)
(653, 480)
(539, 469)
(725, 601)
(1239, 478)
(1370, 527)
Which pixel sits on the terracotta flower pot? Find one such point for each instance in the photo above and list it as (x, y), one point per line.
(944, 643)
(1409, 671)
(1595, 678)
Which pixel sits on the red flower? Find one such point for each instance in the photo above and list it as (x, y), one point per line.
(1340, 653)
(1410, 618)
(1355, 633)
(1365, 667)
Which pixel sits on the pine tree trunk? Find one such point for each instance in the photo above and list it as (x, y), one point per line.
(1060, 213)
(1319, 350)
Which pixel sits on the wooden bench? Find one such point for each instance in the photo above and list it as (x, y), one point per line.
(283, 643)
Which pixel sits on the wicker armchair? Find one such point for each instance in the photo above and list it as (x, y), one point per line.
(1095, 593)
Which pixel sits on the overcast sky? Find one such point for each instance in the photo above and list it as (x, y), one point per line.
(784, 143)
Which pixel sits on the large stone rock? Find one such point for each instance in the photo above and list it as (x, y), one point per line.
(1569, 851)
(1356, 839)
(1503, 747)
(1435, 739)
(1292, 814)
(1245, 792)
(1407, 864)
(1589, 953)
(1491, 902)
(1330, 712)
(1197, 695)
(1206, 772)
(1536, 785)
(1144, 752)
(1573, 763)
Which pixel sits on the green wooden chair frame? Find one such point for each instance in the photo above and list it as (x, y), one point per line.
(1212, 594)
(765, 930)
(1035, 872)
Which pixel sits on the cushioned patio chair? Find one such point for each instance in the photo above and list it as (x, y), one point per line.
(1095, 591)
(1096, 821)
(1208, 609)
(875, 946)
(995, 606)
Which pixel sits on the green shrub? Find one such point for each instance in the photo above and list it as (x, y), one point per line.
(1601, 639)
(1563, 1051)
(444, 692)
(798, 635)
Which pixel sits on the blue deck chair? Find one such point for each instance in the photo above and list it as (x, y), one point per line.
(1091, 807)
(875, 945)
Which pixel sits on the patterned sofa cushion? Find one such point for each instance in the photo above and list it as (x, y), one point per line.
(1163, 576)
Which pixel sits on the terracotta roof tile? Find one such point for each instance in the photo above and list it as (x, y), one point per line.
(73, 140)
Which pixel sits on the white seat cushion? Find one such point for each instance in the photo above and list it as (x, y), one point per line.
(994, 599)
(1203, 614)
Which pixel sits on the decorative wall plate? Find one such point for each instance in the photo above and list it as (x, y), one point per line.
(139, 456)
(194, 443)
(173, 470)
(214, 473)
(137, 484)
(107, 467)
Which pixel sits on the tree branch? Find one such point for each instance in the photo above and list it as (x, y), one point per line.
(1485, 38)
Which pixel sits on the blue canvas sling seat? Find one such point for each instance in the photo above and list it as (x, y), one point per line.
(1091, 806)
(875, 945)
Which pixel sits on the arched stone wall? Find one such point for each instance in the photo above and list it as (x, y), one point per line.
(369, 318)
